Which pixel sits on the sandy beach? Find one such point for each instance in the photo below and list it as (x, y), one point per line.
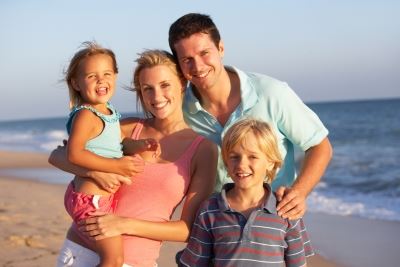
(33, 223)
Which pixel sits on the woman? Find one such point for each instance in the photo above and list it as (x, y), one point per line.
(185, 169)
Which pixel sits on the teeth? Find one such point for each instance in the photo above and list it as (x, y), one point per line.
(243, 175)
(102, 90)
(201, 75)
(160, 105)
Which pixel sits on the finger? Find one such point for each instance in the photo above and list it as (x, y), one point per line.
(288, 197)
(96, 213)
(294, 214)
(279, 193)
(283, 212)
(125, 180)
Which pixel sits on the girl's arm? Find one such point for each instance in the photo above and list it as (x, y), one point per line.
(86, 126)
(58, 158)
(204, 164)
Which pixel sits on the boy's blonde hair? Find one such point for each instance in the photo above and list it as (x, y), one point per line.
(89, 49)
(265, 138)
(149, 59)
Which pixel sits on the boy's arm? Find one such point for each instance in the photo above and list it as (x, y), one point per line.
(81, 132)
(199, 250)
(299, 245)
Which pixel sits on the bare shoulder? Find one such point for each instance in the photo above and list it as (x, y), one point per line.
(128, 124)
(83, 116)
(206, 151)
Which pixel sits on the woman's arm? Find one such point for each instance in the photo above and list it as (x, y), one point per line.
(58, 158)
(204, 164)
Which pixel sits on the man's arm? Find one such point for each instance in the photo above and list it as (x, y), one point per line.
(292, 203)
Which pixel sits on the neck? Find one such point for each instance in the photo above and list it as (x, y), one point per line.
(223, 98)
(252, 197)
(169, 126)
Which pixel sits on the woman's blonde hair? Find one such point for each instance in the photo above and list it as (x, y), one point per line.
(89, 49)
(265, 138)
(149, 59)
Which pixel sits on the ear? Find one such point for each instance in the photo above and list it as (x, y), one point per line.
(270, 166)
(75, 85)
(221, 48)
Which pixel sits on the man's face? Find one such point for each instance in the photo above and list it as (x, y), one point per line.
(200, 60)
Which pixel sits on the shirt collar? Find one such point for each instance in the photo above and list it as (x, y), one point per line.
(269, 204)
(247, 92)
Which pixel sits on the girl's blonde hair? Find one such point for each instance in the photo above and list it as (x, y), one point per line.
(89, 49)
(265, 138)
(149, 59)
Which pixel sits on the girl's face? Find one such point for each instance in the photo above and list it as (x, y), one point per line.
(162, 91)
(247, 164)
(96, 80)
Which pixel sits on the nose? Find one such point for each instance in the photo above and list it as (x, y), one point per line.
(241, 162)
(196, 64)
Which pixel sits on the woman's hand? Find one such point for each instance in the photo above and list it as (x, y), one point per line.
(102, 225)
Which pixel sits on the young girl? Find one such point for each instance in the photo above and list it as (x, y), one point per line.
(240, 226)
(95, 142)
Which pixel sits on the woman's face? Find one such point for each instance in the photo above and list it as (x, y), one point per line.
(161, 90)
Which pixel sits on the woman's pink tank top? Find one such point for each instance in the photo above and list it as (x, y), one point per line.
(153, 195)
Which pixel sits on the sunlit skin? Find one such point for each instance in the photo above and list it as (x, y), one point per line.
(247, 164)
(96, 81)
(200, 60)
(162, 92)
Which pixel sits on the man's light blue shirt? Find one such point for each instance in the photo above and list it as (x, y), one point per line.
(269, 100)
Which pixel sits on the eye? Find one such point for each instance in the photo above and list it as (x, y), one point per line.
(204, 53)
(233, 157)
(146, 88)
(107, 74)
(165, 85)
(185, 60)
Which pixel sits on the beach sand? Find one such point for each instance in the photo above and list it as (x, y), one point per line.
(33, 225)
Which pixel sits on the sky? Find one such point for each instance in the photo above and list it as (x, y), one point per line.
(325, 50)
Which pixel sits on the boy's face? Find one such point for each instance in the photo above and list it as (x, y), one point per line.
(247, 164)
(200, 60)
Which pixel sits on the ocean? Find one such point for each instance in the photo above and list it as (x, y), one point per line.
(363, 178)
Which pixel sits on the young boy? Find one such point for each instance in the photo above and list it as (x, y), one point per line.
(240, 226)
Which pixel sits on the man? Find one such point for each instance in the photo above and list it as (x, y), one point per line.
(219, 95)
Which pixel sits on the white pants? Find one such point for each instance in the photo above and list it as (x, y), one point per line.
(73, 254)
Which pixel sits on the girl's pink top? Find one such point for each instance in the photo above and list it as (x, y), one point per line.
(153, 196)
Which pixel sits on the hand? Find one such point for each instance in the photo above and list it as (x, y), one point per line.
(109, 181)
(150, 144)
(131, 165)
(102, 225)
(292, 204)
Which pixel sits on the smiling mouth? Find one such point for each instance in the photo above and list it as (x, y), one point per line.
(242, 175)
(102, 91)
(159, 105)
(201, 74)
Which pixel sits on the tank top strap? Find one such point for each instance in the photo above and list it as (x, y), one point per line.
(137, 129)
(188, 154)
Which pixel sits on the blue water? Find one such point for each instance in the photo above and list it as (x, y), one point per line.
(363, 178)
